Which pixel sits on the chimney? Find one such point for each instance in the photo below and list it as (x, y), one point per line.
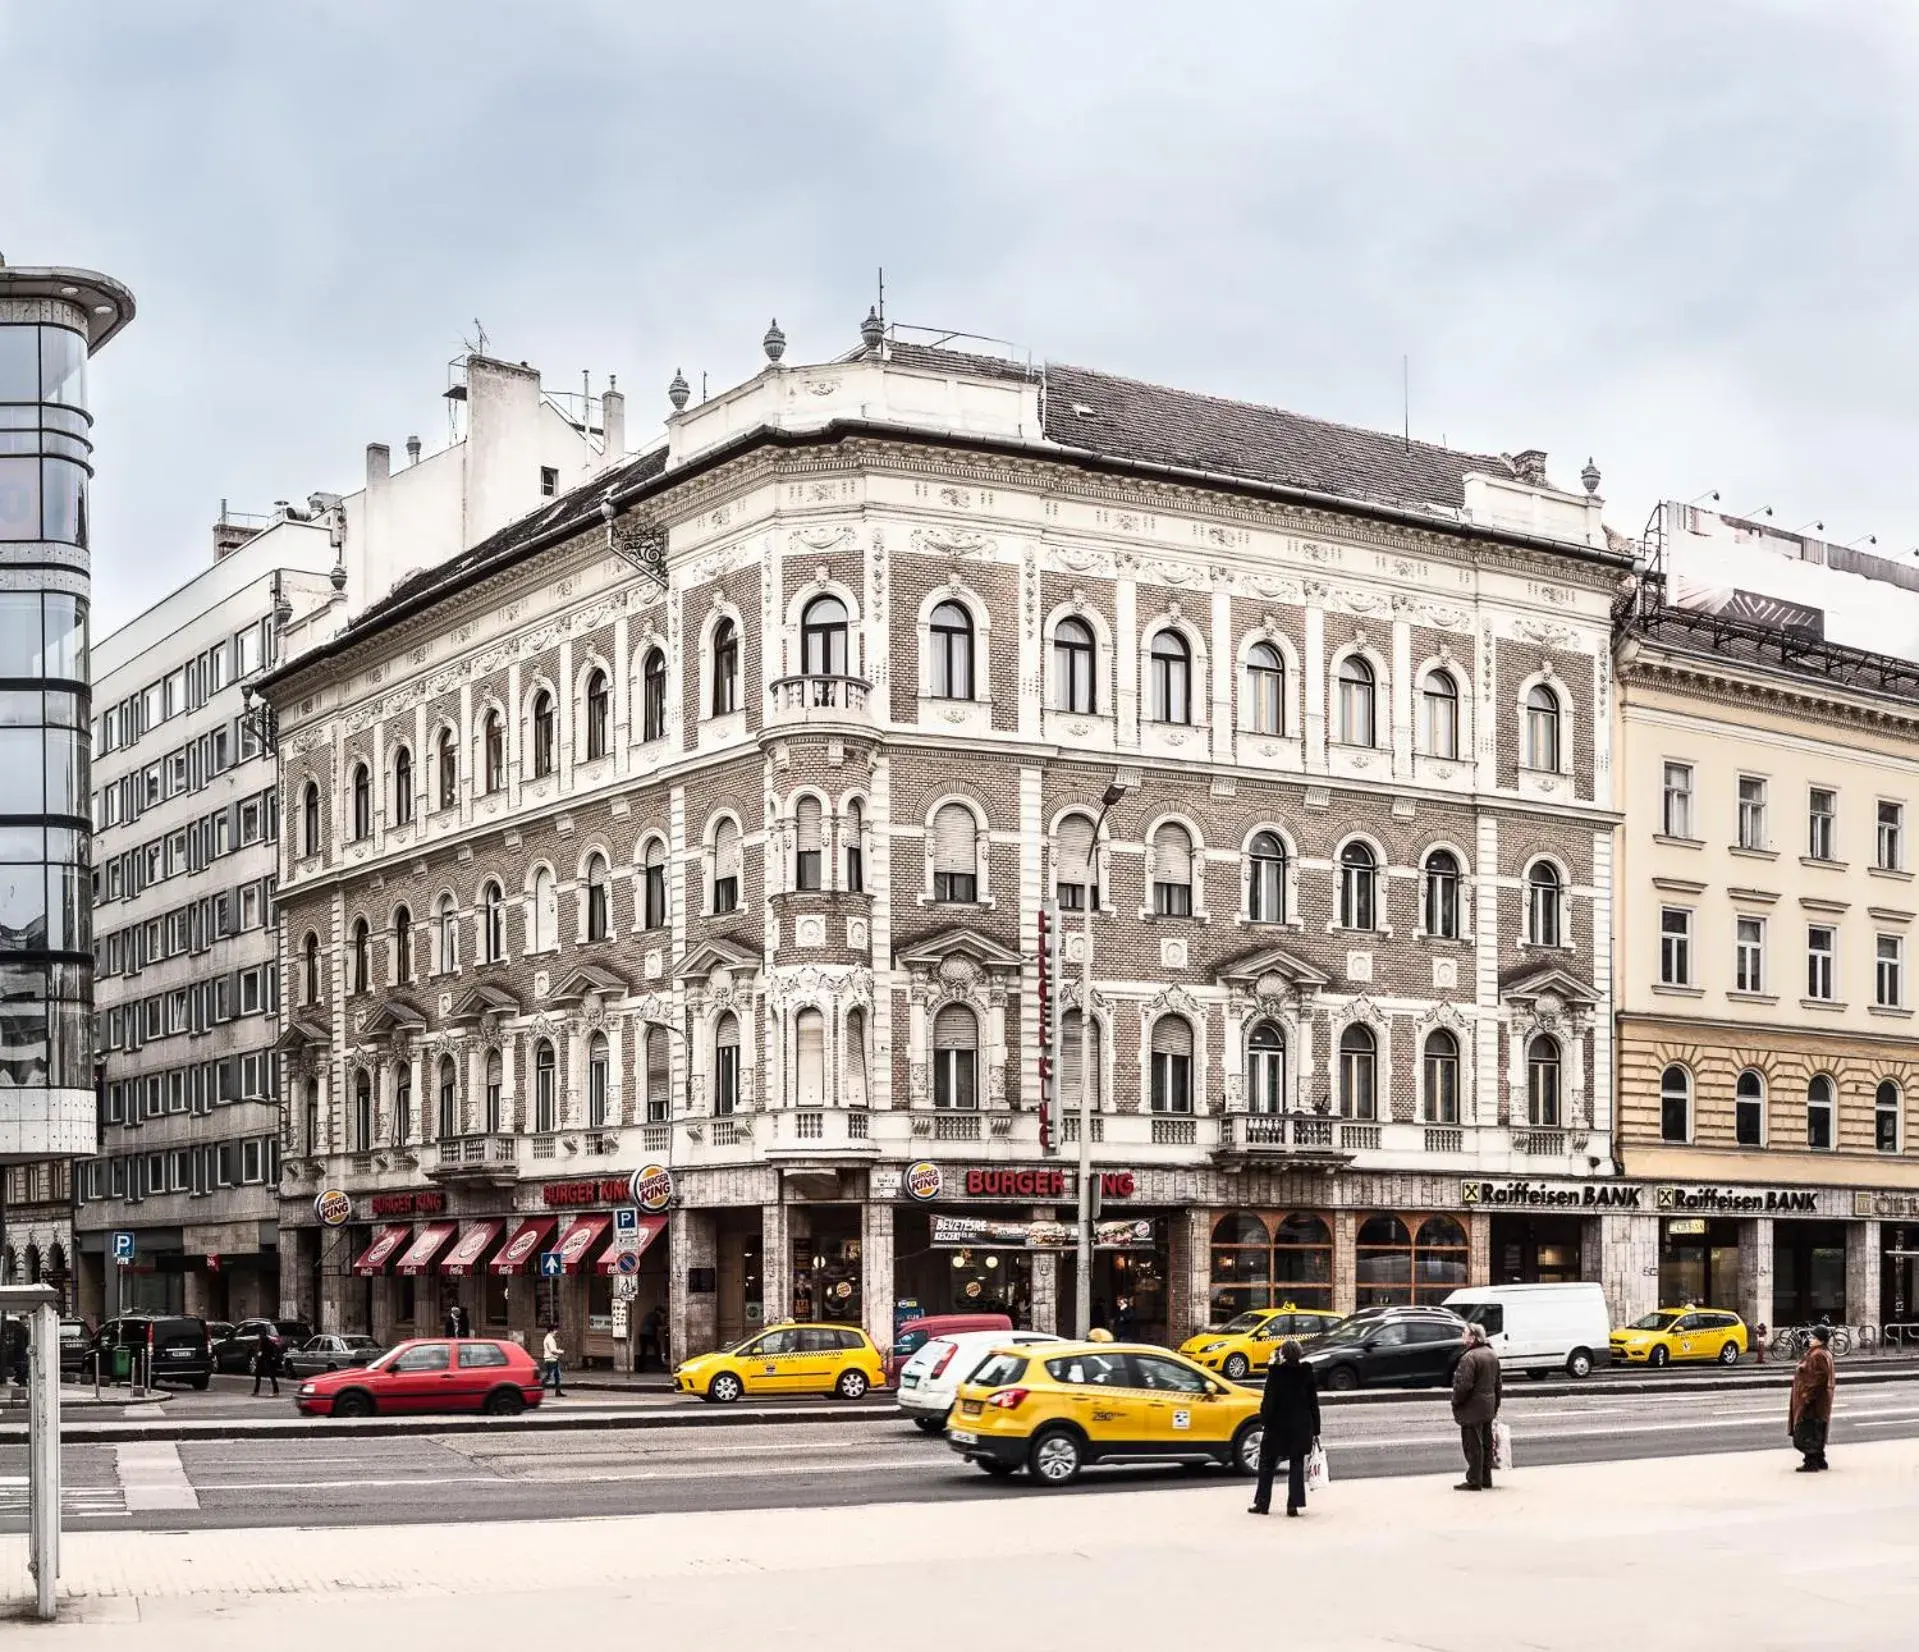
(613, 421)
(413, 450)
(228, 537)
(379, 462)
(1530, 467)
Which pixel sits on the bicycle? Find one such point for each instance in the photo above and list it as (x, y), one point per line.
(1796, 1339)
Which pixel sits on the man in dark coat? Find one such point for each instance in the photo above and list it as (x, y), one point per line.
(1289, 1414)
(1476, 1395)
(1813, 1381)
(266, 1361)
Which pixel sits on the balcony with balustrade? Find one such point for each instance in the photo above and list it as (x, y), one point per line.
(473, 1161)
(817, 700)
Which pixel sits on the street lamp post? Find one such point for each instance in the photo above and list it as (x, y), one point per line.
(1083, 1280)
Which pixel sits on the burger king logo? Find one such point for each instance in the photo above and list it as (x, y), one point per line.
(652, 1188)
(924, 1181)
(333, 1208)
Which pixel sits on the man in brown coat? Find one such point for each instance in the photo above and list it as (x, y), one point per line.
(1476, 1394)
(1812, 1384)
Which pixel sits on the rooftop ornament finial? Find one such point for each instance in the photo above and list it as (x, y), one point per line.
(872, 332)
(678, 391)
(1590, 476)
(774, 344)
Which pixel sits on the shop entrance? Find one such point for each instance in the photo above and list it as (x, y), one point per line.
(735, 1282)
(1698, 1262)
(826, 1263)
(1899, 1276)
(976, 1279)
(1808, 1272)
(1129, 1290)
(1537, 1250)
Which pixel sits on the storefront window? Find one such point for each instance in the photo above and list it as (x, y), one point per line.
(1383, 1263)
(1439, 1259)
(1699, 1263)
(1809, 1271)
(1242, 1266)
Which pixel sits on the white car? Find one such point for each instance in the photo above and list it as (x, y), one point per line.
(928, 1380)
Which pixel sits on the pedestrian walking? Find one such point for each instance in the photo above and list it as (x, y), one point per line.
(462, 1327)
(551, 1354)
(1289, 1418)
(1813, 1381)
(1476, 1396)
(266, 1362)
(450, 1325)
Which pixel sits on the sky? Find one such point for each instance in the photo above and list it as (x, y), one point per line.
(1678, 239)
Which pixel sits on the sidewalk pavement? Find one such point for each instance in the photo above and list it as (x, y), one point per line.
(1671, 1553)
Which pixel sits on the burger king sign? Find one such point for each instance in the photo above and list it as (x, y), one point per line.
(333, 1208)
(652, 1188)
(923, 1181)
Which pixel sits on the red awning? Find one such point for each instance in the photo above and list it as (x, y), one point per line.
(425, 1247)
(465, 1256)
(651, 1227)
(376, 1256)
(579, 1239)
(523, 1245)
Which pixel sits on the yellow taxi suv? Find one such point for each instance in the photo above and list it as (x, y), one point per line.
(787, 1359)
(1251, 1341)
(1053, 1409)
(1681, 1333)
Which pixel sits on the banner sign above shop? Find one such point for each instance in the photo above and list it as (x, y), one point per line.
(1736, 1201)
(607, 1190)
(958, 1232)
(407, 1204)
(1552, 1195)
(1901, 1206)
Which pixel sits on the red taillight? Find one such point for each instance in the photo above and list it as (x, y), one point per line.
(1007, 1399)
(943, 1361)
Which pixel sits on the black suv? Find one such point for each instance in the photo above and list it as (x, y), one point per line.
(168, 1347)
(1388, 1347)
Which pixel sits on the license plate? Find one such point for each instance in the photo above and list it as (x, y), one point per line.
(910, 1380)
(179, 1353)
(969, 1408)
(961, 1437)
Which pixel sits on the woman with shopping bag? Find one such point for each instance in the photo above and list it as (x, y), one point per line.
(1289, 1416)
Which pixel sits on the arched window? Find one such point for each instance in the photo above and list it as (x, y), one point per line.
(362, 956)
(1074, 657)
(402, 946)
(1439, 698)
(1675, 1104)
(310, 819)
(1542, 904)
(1170, 698)
(855, 845)
(1266, 879)
(653, 885)
(1542, 729)
(1356, 702)
(1266, 1069)
(1358, 880)
(599, 909)
(311, 949)
(1542, 1083)
(546, 1098)
(955, 851)
(495, 1093)
(659, 1076)
(449, 763)
(493, 923)
(726, 668)
(809, 1043)
(403, 787)
(823, 638)
(1265, 690)
(493, 750)
(1885, 1117)
(362, 1112)
(1172, 872)
(853, 1060)
(809, 853)
(726, 867)
(1819, 1112)
(546, 734)
(1172, 1065)
(1383, 1262)
(1442, 894)
(726, 1064)
(446, 937)
(653, 695)
(955, 1058)
(449, 1113)
(1441, 1077)
(403, 1104)
(1440, 1257)
(1075, 877)
(952, 662)
(599, 1082)
(1358, 1071)
(599, 715)
(1749, 1109)
(362, 802)
(543, 920)
(1072, 1060)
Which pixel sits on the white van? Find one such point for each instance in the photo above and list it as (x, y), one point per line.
(1540, 1328)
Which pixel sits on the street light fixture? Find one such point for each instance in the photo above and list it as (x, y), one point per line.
(1083, 1281)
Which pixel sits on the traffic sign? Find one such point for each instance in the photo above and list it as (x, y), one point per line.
(626, 1222)
(628, 1261)
(123, 1248)
(552, 1264)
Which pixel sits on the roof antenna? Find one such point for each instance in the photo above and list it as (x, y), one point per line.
(1406, 399)
(882, 304)
(476, 345)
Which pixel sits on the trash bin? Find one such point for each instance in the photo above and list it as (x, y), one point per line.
(122, 1370)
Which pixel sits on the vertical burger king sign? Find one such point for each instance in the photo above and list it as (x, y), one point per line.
(652, 1188)
(333, 1208)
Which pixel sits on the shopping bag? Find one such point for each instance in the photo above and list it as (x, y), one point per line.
(1318, 1476)
(1502, 1446)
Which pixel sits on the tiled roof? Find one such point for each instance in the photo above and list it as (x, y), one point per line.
(1772, 648)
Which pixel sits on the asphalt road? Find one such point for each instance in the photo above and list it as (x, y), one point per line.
(325, 1481)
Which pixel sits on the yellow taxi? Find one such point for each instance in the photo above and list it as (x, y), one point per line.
(786, 1359)
(1250, 1341)
(1053, 1408)
(1681, 1333)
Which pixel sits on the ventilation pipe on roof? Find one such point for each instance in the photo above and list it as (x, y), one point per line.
(412, 450)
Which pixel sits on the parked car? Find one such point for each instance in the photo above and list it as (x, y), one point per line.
(1390, 1347)
(168, 1347)
(330, 1351)
(916, 1333)
(1250, 1341)
(76, 1350)
(1681, 1333)
(929, 1380)
(1051, 1411)
(235, 1351)
(1540, 1329)
(788, 1359)
(498, 1378)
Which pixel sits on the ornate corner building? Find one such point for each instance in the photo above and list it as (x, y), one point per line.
(705, 819)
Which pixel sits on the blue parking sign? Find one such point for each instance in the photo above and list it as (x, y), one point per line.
(123, 1247)
(552, 1264)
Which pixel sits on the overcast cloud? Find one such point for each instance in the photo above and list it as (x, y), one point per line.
(1679, 238)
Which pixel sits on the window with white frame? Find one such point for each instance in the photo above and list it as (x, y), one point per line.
(1172, 1070)
(653, 885)
(1820, 947)
(546, 1095)
(1170, 667)
(1885, 1117)
(1358, 885)
(1072, 1061)
(492, 923)
(1890, 844)
(1749, 954)
(1266, 1068)
(653, 695)
(1358, 1072)
(1822, 823)
(1749, 1109)
(1075, 654)
(1676, 803)
(493, 750)
(1675, 946)
(449, 767)
(724, 690)
(447, 1119)
(1544, 902)
(950, 638)
(955, 848)
(1542, 1083)
(1889, 972)
(809, 1039)
(1265, 689)
(823, 633)
(726, 868)
(1819, 1110)
(1542, 729)
(1752, 812)
(809, 852)
(1440, 894)
(955, 1058)
(599, 899)
(599, 1082)
(659, 1076)
(543, 912)
(1266, 879)
(1357, 695)
(546, 734)
(1440, 1074)
(1675, 1104)
(1439, 713)
(1075, 882)
(403, 787)
(1172, 872)
(599, 715)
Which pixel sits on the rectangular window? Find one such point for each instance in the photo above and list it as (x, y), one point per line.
(1752, 812)
(1822, 808)
(1888, 980)
(1675, 946)
(1891, 845)
(1819, 950)
(726, 895)
(1676, 816)
(549, 481)
(1749, 956)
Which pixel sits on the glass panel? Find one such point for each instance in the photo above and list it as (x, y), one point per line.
(19, 498)
(66, 757)
(63, 486)
(63, 366)
(23, 908)
(23, 1026)
(22, 777)
(19, 628)
(19, 364)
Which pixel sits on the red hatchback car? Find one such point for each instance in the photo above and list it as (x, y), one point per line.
(498, 1378)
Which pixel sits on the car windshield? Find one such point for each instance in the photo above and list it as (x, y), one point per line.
(1348, 1330)
(360, 1342)
(384, 1360)
(1661, 1321)
(1245, 1322)
(1000, 1370)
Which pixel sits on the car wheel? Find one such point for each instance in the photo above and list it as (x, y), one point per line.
(1056, 1457)
(930, 1425)
(1729, 1355)
(1658, 1356)
(504, 1402)
(1237, 1367)
(852, 1385)
(725, 1388)
(1342, 1378)
(353, 1403)
(1580, 1364)
(1246, 1444)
